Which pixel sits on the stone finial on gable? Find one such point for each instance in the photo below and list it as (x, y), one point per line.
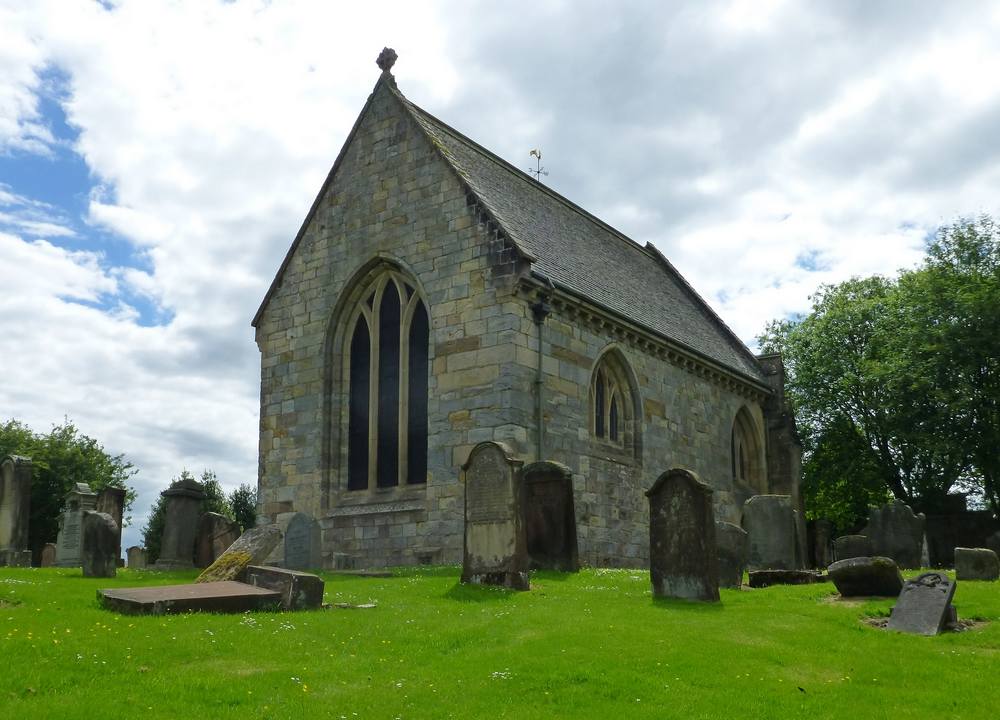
(386, 59)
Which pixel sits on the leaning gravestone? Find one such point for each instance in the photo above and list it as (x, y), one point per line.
(770, 522)
(215, 534)
(495, 547)
(976, 564)
(252, 548)
(183, 499)
(111, 500)
(866, 576)
(100, 544)
(136, 558)
(15, 507)
(302, 543)
(682, 553)
(924, 605)
(48, 558)
(550, 520)
(851, 546)
(896, 532)
(68, 544)
(732, 545)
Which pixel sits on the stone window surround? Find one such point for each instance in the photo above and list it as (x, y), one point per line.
(614, 371)
(747, 448)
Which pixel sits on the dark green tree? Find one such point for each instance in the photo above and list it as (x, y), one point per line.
(61, 458)
(243, 501)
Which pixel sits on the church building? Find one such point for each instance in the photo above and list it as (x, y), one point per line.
(436, 297)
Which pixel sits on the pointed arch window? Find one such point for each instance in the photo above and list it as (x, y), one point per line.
(613, 414)
(387, 363)
(747, 460)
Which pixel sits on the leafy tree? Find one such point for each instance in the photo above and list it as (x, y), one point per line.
(243, 501)
(61, 458)
(214, 501)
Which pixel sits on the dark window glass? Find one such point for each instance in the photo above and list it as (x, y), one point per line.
(357, 444)
(417, 419)
(387, 458)
(732, 451)
(613, 419)
(599, 406)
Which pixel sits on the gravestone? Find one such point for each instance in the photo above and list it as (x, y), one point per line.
(15, 508)
(924, 605)
(976, 564)
(770, 522)
(299, 590)
(111, 500)
(732, 545)
(550, 520)
(183, 499)
(851, 546)
(136, 558)
(251, 548)
(48, 558)
(896, 532)
(993, 542)
(495, 547)
(303, 541)
(69, 541)
(214, 536)
(682, 553)
(822, 531)
(866, 576)
(100, 544)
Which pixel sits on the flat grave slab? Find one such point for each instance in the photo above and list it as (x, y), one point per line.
(227, 596)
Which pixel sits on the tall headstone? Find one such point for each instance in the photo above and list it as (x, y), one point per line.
(682, 553)
(822, 539)
(303, 541)
(924, 605)
(111, 501)
(15, 507)
(549, 517)
(976, 564)
(897, 532)
(851, 546)
(180, 524)
(770, 522)
(48, 558)
(69, 543)
(495, 547)
(215, 534)
(136, 558)
(100, 544)
(733, 545)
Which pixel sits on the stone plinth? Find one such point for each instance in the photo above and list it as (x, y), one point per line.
(100, 544)
(69, 544)
(221, 597)
(766, 578)
(682, 553)
(495, 548)
(184, 498)
(15, 508)
(770, 522)
(550, 520)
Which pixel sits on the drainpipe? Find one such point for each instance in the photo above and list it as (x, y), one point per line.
(540, 309)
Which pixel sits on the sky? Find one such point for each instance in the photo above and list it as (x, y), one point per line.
(157, 159)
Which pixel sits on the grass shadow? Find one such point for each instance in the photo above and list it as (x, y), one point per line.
(557, 575)
(695, 606)
(479, 593)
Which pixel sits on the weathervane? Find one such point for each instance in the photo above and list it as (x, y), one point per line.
(538, 170)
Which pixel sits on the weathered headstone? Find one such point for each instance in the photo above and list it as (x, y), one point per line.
(252, 547)
(15, 507)
(495, 547)
(976, 564)
(770, 522)
(924, 605)
(69, 542)
(732, 545)
(299, 590)
(303, 542)
(550, 520)
(215, 534)
(822, 532)
(851, 546)
(866, 576)
(682, 553)
(180, 524)
(100, 544)
(136, 558)
(111, 500)
(993, 542)
(48, 558)
(896, 532)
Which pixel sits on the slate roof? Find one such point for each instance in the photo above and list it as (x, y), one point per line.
(584, 255)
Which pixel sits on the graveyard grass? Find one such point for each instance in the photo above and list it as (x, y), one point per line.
(592, 644)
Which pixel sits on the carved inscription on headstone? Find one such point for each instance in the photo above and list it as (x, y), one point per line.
(68, 545)
(495, 551)
(924, 605)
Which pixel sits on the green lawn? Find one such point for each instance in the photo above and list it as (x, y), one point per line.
(594, 644)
